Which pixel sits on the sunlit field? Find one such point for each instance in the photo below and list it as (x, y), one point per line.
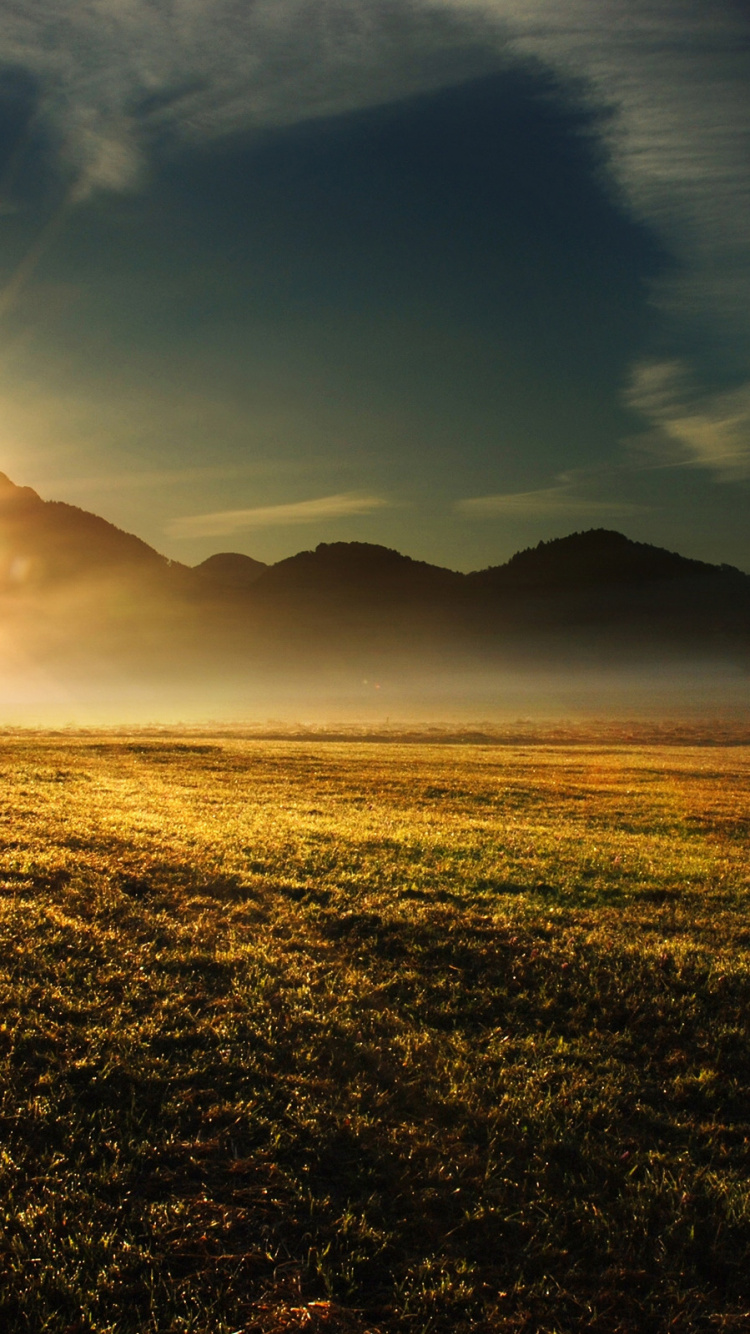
(355, 1035)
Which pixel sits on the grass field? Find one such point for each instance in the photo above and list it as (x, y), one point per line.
(314, 1035)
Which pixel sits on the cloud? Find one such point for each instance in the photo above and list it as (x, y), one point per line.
(697, 430)
(119, 74)
(224, 522)
(118, 77)
(675, 75)
(546, 501)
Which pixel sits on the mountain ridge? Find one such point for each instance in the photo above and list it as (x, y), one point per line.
(596, 554)
(593, 591)
(561, 559)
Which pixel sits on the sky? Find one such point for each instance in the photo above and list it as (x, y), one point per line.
(453, 277)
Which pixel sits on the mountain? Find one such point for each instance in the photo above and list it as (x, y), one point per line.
(229, 572)
(595, 557)
(74, 587)
(356, 587)
(600, 587)
(46, 543)
(352, 570)
(592, 591)
(80, 597)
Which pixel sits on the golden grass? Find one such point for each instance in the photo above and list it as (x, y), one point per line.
(364, 1037)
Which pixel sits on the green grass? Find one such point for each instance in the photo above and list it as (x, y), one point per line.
(304, 1035)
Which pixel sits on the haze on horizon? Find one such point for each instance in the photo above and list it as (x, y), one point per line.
(97, 627)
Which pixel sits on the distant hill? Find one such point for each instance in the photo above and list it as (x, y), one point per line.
(599, 586)
(597, 556)
(338, 572)
(229, 572)
(78, 585)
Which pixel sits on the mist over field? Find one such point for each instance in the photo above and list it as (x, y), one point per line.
(92, 690)
(39, 695)
(98, 627)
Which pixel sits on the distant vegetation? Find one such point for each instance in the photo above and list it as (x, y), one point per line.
(304, 1035)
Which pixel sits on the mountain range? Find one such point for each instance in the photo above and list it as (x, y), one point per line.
(73, 587)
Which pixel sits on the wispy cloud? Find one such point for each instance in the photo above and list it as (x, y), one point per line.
(224, 522)
(698, 430)
(115, 75)
(674, 73)
(550, 501)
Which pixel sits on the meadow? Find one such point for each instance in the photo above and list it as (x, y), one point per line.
(364, 1036)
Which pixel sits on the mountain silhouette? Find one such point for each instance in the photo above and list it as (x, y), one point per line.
(47, 542)
(355, 583)
(78, 585)
(351, 569)
(229, 572)
(585, 559)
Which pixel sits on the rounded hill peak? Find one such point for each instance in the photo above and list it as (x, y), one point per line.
(230, 570)
(593, 556)
(355, 569)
